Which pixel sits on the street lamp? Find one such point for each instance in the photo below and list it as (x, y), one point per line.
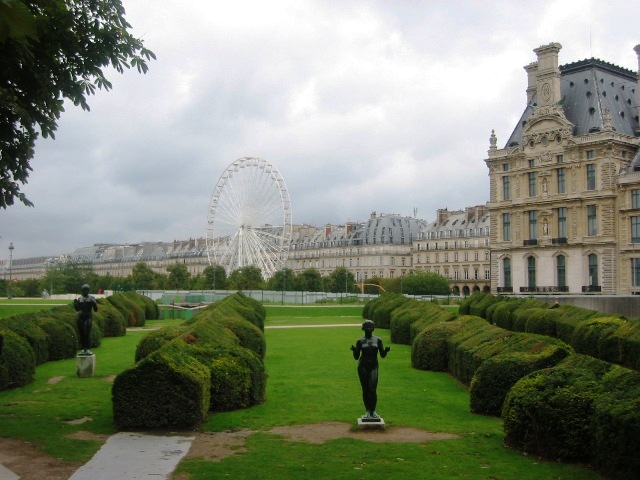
(9, 292)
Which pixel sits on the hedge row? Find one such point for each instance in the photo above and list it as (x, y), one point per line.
(411, 317)
(379, 309)
(582, 409)
(488, 358)
(211, 362)
(612, 338)
(31, 339)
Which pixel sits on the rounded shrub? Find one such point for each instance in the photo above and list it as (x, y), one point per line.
(26, 326)
(168, 389)
(429, 349)
(550, 412)
(112, 321)
(63, 340)
(250, 336)
(156, 339)
(596, 337)
(617, 425)
(496, 375)
(17, 361)
(230, 384)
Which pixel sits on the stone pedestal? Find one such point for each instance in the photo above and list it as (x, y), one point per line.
(85, 365)
(371, 423)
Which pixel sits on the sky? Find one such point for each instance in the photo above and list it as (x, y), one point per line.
(362, 106)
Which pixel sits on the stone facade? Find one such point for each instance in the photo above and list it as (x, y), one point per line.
(561, 189)
(456, 245)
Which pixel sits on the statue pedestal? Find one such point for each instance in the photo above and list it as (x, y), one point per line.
(367, 423)
(85, 365)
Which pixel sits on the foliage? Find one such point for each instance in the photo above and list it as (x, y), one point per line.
(419, 282)
(282, 280)
(55, 50)
(143, 277)
(17, 361)
(341, 280)
(246, 278)
(178, 275)
(309, 280)
(68, 277)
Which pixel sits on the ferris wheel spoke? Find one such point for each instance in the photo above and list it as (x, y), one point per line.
(249, 217)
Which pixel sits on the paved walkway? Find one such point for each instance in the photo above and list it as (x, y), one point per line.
(133, 456)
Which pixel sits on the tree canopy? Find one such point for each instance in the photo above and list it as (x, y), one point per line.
(50, 51)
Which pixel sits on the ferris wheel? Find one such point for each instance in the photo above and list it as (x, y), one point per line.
(249, 218)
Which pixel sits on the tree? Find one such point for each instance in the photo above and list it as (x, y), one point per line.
(246, 278)
(51, 51)
(282, 280)
(309, 280)
(341, 280)
(68, 277)
(216, 277)
(178, 276)
(142, 276)
(425, 283)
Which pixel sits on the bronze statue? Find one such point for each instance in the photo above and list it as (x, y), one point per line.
(366, 351)
(85, 306)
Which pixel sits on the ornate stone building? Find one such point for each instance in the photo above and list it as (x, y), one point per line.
(564, 192)
(456, 245)
(380, 247)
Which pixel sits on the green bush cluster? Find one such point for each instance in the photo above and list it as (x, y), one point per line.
(52, 334)
(612, 338)
(211, 362)
(379, 309)
(581, 409)
(411, 317)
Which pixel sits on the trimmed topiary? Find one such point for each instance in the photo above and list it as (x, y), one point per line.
(550, 412)
(157, 339)
(112, 320)
(250, 336)
(25, 325)
(429, 349)
(17, 361)
(230, 384)
(496, 375)
(168, 389)
(62, 338)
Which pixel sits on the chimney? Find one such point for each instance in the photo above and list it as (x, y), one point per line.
(637, 50)
(443, 215)
(373, 215)
(327, 230)
(548, 75)
(531, 70)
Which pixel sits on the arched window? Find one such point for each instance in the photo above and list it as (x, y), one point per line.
(531, 272)
(561, 270)
(506, 272)
(593, 270)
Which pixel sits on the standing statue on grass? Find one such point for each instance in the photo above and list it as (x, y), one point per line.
(366, 351)
(85, 306)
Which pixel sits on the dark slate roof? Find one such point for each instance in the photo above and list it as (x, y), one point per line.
(588, 88)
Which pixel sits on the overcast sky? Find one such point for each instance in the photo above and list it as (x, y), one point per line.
(362, 106)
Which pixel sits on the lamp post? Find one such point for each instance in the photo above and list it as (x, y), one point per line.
(9, 291)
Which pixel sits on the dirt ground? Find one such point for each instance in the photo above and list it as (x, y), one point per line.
(30, 463)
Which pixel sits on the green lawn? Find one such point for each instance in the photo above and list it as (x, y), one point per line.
(16, 306)
(312, 378)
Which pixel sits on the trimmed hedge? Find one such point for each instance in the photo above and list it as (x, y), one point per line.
(582, 409)
(412, 317)
(168, 389)
(612, 338)
(381, 313)
(53, 334)
(496, 375)
(17, 361)
(215, 342)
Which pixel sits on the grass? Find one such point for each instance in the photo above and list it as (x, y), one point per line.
(16, 306)
(312, 378)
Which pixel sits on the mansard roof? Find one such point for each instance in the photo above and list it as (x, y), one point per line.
(589, 88)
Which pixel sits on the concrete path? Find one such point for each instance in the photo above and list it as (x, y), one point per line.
(134, 456)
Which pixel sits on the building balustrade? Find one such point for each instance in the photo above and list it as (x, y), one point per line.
(550, 289)
(591, 289)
